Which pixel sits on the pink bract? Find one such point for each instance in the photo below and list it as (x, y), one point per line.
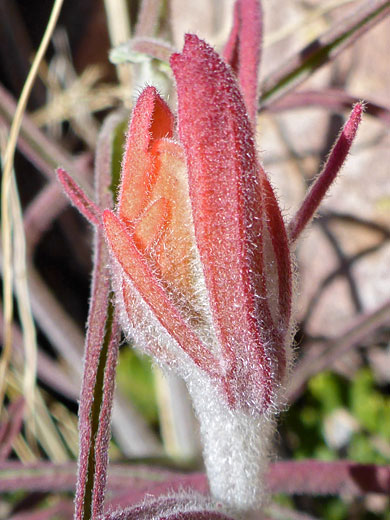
(239, 234)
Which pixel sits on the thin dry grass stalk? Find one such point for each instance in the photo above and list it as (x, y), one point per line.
(6, 219)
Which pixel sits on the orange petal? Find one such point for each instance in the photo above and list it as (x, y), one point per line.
(174, 252)
(153, 224)
(151, 120)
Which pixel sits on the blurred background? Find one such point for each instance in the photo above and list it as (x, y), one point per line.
(340, 389)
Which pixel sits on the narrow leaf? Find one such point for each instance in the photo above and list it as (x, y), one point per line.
(243, 50)
(101, 351)
(327, 176)
(78, 197)
(180, 506)
(154, 48)
(141, 49)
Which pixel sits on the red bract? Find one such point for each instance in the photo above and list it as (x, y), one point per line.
(152, 241)
(238, 226)
(239, 297)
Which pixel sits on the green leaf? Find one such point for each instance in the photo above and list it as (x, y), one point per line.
(369, 406)
(135, 379)
(327, 388)
(118, 144)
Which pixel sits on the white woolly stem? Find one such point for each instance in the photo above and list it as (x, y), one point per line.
(236, 449)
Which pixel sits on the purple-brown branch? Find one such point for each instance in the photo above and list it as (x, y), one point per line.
(329, 98)
(362, 328)
(323, 49)
(148, 18)
(308, 477)
(61, 510)
(42, 151)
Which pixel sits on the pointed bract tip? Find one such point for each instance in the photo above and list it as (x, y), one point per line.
(149, 95)
(149, 91)
(191, 39)
(353, 122)
(191, 43)
(79, 199)
(152, 113)
(151, 120)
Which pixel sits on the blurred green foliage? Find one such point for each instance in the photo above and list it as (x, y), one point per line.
(368, 407)
(135, 379)
(302, 426)
(361, 398)
(118, 147)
